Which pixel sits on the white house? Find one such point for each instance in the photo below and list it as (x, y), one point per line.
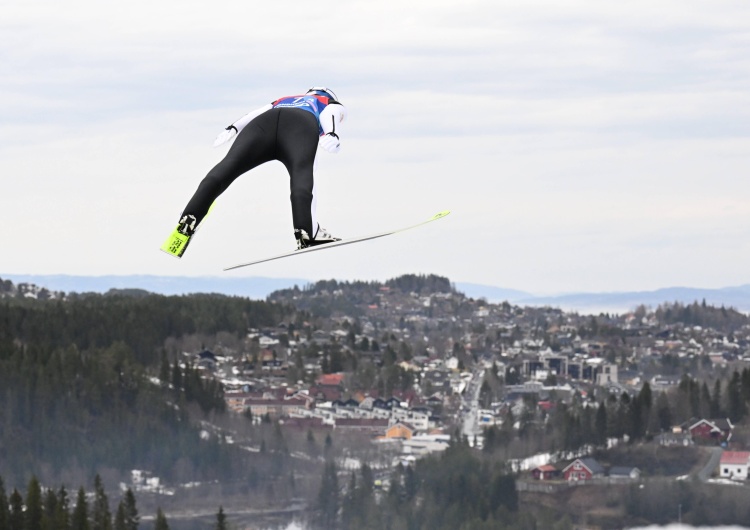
(734, 465)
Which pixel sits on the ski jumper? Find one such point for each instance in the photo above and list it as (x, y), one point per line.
(287, 130)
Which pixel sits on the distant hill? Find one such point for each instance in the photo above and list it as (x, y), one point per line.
(491, 293)
(736, 297)
(259, 288)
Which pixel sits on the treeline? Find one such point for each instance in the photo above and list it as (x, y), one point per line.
(457, 490)
(703, 315)
(75, 391)
(143, 323)
(69, 411)
(320, 298)
(421, 284)
(50, 509)
(639, 417)
(55, 509)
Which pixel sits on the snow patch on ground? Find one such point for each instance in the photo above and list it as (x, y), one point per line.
(677, 526)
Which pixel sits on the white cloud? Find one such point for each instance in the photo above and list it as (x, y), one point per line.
(595, 145)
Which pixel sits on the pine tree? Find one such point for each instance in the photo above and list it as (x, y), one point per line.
(328, 497)
(663, 412)
(164, 369)
(745, 384)
(4, 513)
(716, 400)
(61, 518)
(600, 424)
(101, 517)
(221, 520)
(132, 519)
(50, 508)
(736, 408)
(119, 523)
(79, 520)
(161, 521)
(15, 517)
(33, 513)
(350, 507)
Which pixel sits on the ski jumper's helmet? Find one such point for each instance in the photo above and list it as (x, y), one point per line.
(323, 91)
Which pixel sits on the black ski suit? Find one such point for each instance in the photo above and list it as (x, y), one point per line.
(287, 134)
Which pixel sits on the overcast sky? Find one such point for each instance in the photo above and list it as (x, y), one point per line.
(581, 145)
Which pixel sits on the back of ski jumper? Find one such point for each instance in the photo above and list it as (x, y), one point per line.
(310, 103)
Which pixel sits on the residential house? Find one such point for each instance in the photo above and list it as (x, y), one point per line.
(671, 438)
(330, 379)
(422, 444)
(624, 473)
(715, 431)
(326, 392)
(276, 408)
(418, 419)
(304, 424)
(400, 430)
(734, 465)
(545, 472)
(373, 426)
(583, 469)
(237, 401)
(207, 360)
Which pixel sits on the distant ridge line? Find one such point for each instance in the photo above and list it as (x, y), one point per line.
(259, 288)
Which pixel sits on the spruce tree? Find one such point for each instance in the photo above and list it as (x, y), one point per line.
(663, 412)
(101, 517)
(600, 424)
(119, 523)
(50, 508)
(132, 519)
(745, 384)
(80, 518)
(736, 408)
(4, 513)
(716, 400)
(161, 521)
(15, 517)
(328, 497)
(62, 510)
(33, 513)
(221, 519)
(350, 508)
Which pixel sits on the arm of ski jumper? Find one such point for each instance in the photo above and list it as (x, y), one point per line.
(331, 116)
(231, 131)
(247, 118)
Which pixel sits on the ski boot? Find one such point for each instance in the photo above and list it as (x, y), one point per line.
(321, 238)
(177, 243)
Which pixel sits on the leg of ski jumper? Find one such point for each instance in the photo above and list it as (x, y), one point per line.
(297, 145)
(254, 146)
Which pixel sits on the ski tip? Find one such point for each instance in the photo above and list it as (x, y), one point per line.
(441, 214)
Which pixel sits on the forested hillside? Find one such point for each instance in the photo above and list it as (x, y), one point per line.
(77, 385)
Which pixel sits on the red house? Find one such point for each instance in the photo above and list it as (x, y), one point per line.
(583, 469)
(716, 431)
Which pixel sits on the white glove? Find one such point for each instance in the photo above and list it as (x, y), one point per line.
(330, 142)
(225, 135)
